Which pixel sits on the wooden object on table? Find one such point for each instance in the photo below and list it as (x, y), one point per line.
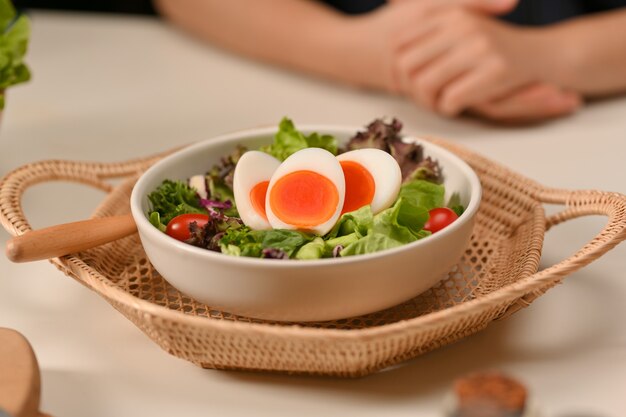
(64, 239)
(20, 382)
(489, 394)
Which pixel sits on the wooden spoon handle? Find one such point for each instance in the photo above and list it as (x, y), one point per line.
(64, 239)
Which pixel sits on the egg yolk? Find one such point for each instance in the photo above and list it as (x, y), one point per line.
(257, 198)
(360, 186)
(304, 198)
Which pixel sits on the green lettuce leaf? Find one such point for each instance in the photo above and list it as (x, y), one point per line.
(247, 242)
(408, 215)
(155, 220)
(342, 241)
(289, 140)
(398, 225)
(401, 222)
(171, 199)
(241, 242)
(371, 243)
(328, 142)
(423, 193)
(15, 31)
(286, 240)
(454, 203)
(312, 250)
(359, 221)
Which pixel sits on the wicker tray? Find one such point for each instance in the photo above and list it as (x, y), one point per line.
(496, 277)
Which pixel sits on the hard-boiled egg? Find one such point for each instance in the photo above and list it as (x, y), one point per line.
(306, 192)
(250, 182)
(372, 177)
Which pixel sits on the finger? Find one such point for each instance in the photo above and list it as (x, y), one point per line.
(412, 33)
(413, 59)
(399, 62)
(484, 83)
(427, 84)
(533, 103)
(496, 7)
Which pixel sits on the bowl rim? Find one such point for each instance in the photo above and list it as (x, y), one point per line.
(145, 227)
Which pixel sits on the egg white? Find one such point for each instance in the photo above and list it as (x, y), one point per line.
(198, 183)
(321, 162)
(252, 168)
(384, 170)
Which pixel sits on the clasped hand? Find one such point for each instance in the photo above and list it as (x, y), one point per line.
(460, 57)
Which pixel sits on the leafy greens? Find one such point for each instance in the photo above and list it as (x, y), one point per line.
(171, 199)
(289, 140)
(355, 233)
(409, 155)
(247, 242)
(13, 45)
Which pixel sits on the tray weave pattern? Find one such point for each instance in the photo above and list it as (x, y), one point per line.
(497, 275)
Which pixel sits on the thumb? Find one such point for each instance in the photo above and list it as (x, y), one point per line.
(494, 7)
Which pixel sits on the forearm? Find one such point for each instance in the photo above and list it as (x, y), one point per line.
(299, 34)
(587, 55)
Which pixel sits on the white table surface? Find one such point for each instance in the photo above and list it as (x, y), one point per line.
(110, 88)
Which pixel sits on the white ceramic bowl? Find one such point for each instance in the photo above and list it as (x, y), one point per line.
(294, 290)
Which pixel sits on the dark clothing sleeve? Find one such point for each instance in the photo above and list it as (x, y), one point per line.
(527, 12)
(355, 6)
(545, 12)
(107, 6)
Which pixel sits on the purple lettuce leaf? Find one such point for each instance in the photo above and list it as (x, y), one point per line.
(274, 253)
(409, 155)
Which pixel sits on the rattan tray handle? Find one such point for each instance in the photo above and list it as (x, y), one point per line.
(577, 203)
(94, 174)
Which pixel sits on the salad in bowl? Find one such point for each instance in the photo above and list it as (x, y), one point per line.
(305, 197)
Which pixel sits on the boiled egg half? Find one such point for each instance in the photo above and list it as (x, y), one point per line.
(250, 183)
(372, 177)
(306, 192)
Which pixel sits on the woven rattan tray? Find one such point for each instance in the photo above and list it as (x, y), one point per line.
(496, 277)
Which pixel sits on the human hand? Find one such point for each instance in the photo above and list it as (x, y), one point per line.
(389, 30)
(460, 60)
(374, 39)
(531, 104)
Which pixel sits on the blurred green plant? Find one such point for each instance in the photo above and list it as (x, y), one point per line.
(15, 31)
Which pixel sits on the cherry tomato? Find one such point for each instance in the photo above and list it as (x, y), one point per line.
(178, 227)
(439, 218)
